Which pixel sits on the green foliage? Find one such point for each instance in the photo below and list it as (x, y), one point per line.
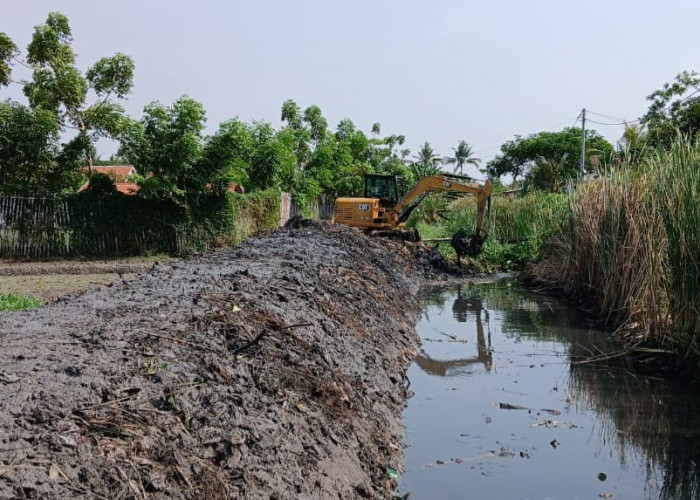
(548, 174)
(174, 158)
(58, 103)
(58, 85)
(7, 51)
(101, 184)
(14, 302)
(521, 154)
(675, 107)
(273, 162)
(112, 75)
(31, 161)
(518, 228)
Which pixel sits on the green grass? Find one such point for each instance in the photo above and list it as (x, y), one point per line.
(14, 302)
(518, 228)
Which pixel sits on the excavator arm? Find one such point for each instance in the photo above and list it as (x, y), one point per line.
(442, 183)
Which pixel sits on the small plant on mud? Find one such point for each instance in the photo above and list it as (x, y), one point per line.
(14, 302)
(153, 366)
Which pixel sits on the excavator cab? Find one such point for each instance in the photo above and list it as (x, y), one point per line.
(389, 189)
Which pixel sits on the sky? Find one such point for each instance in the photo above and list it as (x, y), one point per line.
(439, 71)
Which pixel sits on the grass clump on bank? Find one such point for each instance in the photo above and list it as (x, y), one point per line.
(14, 302)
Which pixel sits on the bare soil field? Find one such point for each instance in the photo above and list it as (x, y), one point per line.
(51, 280)
(274, 369)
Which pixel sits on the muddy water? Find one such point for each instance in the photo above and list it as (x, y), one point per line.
(503, 407)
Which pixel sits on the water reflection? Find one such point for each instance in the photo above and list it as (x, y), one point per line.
(462, 306)
(642, 432)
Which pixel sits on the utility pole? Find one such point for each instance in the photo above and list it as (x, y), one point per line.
(583, 141)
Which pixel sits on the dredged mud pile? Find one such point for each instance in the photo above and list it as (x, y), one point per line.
(275, 369)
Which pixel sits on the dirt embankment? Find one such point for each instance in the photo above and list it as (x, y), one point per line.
(275, 369)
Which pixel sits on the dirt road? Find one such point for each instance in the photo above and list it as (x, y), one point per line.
(275, 369)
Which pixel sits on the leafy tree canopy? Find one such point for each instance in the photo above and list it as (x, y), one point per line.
(31, 160)
(519, 155)
(59, 86)
(61, 99)
(676, 106)
(7, 51)
(175, 159)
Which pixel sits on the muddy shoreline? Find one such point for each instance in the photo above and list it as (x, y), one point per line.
(274, 369)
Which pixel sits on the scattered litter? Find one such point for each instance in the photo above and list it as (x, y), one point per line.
(546, 423)
(506, 452)
(508, 406)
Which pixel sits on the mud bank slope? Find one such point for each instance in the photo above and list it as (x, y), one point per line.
(270, 370)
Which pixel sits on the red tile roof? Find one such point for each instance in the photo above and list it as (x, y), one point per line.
(118, 172)
(127, 187)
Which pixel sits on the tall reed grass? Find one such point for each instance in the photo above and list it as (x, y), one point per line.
(678, 193)
(633, 245)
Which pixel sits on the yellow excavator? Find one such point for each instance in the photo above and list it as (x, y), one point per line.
(387, 205)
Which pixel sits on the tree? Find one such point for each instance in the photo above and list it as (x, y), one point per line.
(674, 107)
(633, 143)
(59, 87)
(273, 163)
(174, 158)
(520, 154)
(31, 160)
(427, 162)
(317, 124)
(8, 51)
(548, 174)
(463, 155)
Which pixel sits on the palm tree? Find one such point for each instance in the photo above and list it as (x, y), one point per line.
(427, 162)
(463, 155)
(632, 142)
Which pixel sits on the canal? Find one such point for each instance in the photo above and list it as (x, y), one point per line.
(517, 396)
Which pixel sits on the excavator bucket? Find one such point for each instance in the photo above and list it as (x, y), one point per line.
(467, 244)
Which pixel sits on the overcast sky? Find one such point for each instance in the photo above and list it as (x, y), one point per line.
(436, 71)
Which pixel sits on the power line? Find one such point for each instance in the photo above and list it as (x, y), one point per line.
(611, 124)
(616, 118)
